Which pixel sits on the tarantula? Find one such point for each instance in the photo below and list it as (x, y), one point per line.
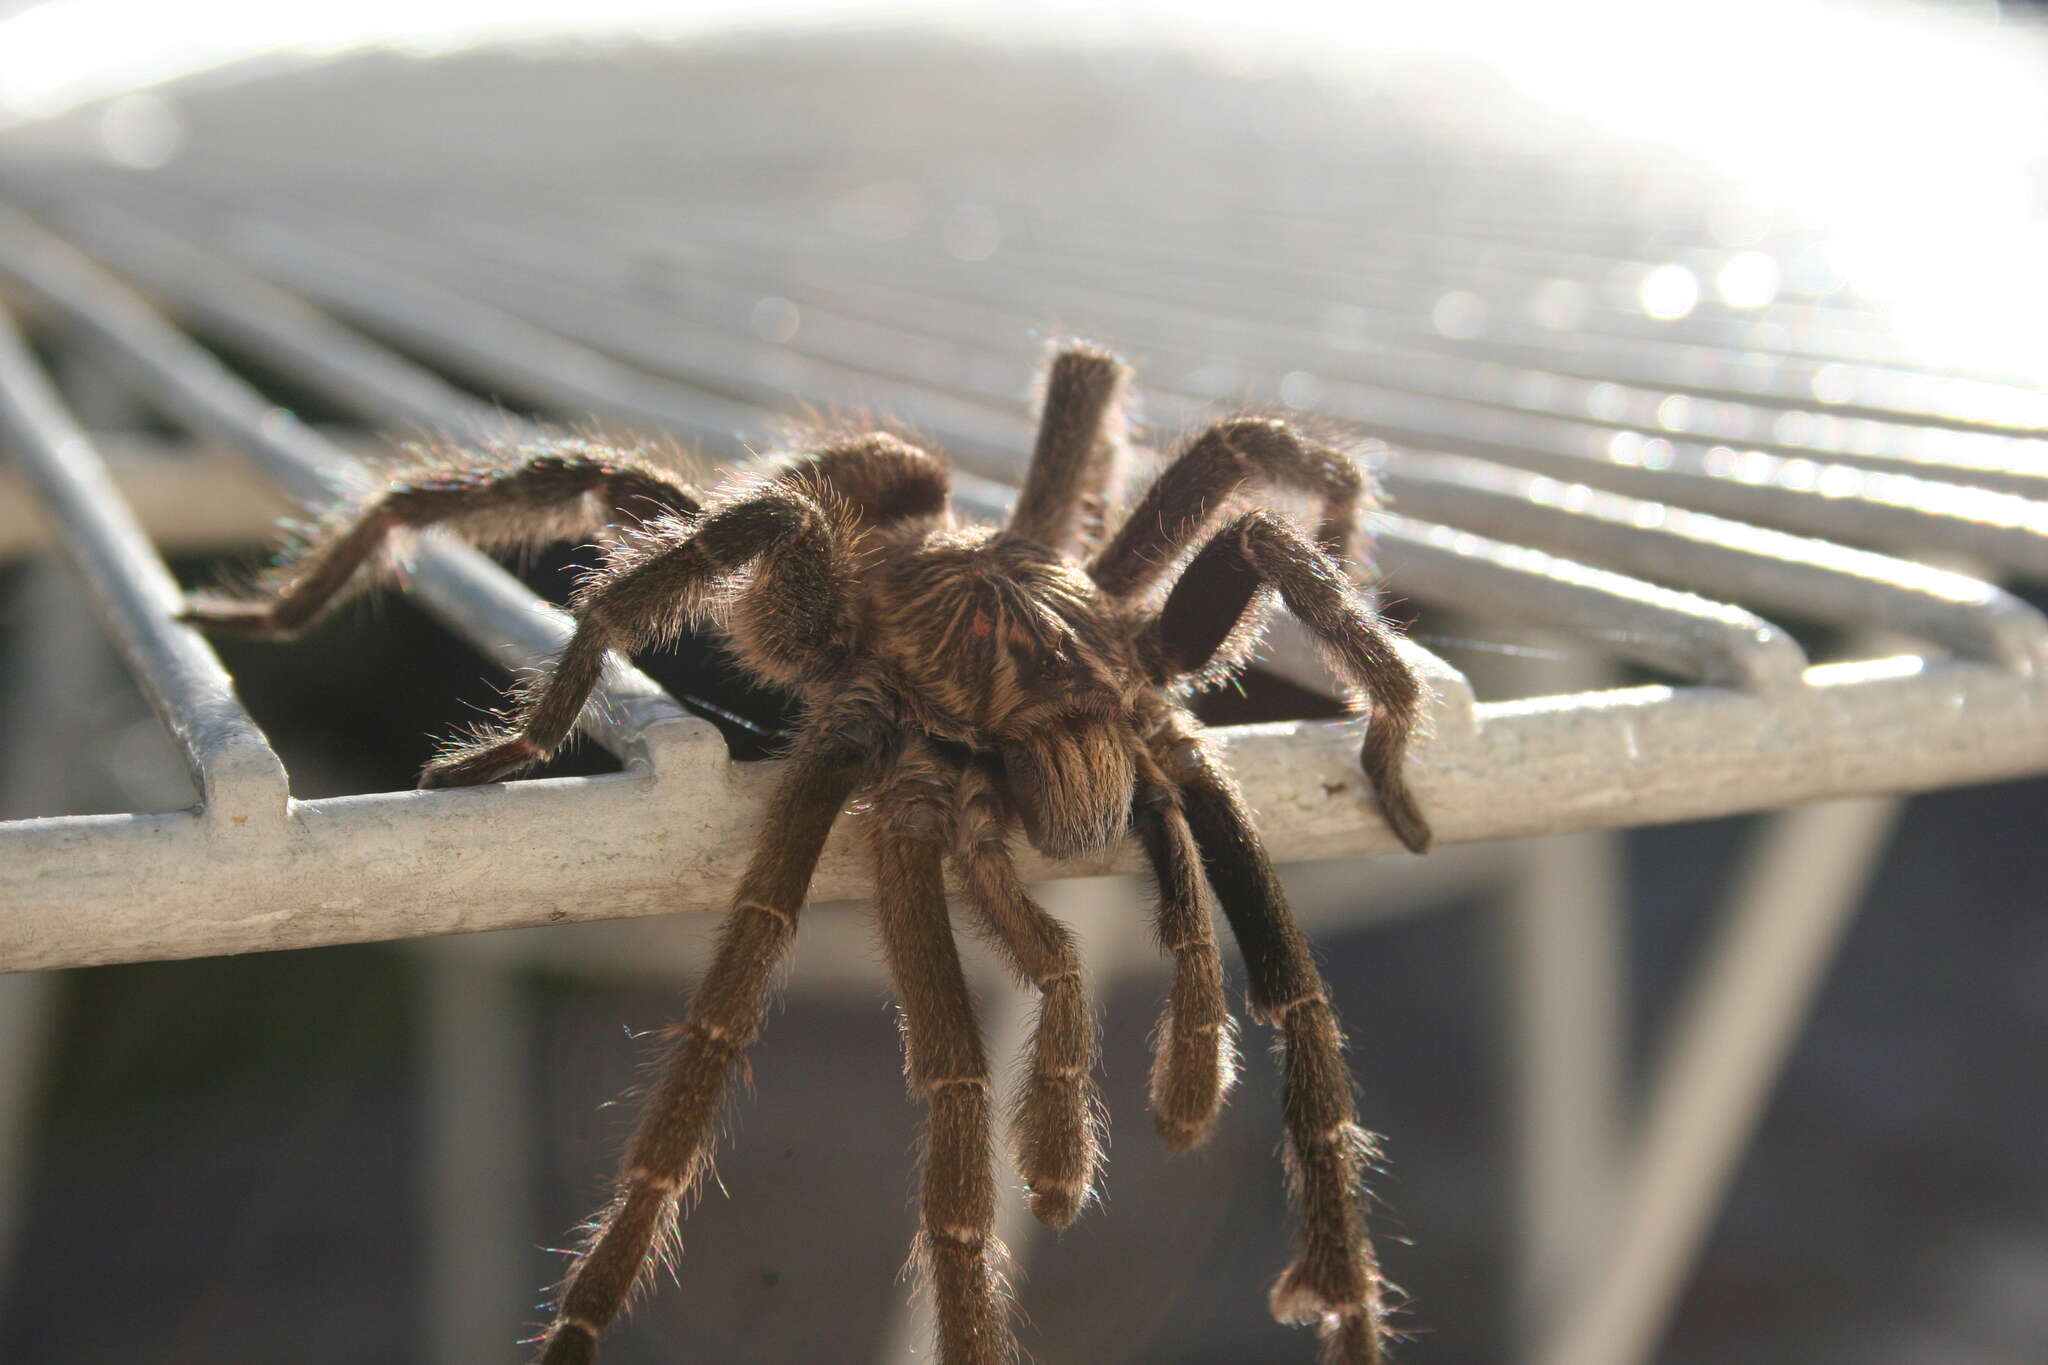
(962, 681)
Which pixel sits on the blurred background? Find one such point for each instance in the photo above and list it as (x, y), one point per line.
(1475, 228)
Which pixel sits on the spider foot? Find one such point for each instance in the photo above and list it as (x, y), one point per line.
(1352, 1339)
(1183, 1135)
(1190, 1077)
(1056, 1205)
(488, 763)
(1332, 1276)
(219, 615)
(1057, 1154)
(1397, 803)
(1194, 1062)
(1057, 1151)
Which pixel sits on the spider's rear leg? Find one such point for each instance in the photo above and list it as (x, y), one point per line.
(1080, 444)
(1055, 1123)
(1334, 1280)
(792, 624)
(1197, 487)
(1195, 1059)
(946, 1064)
(503, 498)
(1208, 623)
(671, 1149)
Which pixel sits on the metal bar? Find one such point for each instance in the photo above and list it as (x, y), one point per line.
(108, 889)
(478, 338)
(43, 721)
(240, 779)
(1399, 381)
(1562, 921)
(478, 1220)
(1785, 916)
(342, 364)
(1631, 619)
(1794, 574)
(1923, 507)
(465, 590)
(1522, 332)
(1286, 315)
(755, 386)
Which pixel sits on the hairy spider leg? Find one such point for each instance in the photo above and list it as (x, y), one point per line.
(1074, 466)
(513, 496)
(885, 478)
(1197, 487)
(1194, 1061)
(672, 1148)
(945, 1062)
(652, 587)
(1261, 550)
(1334, 1279)
(1055, 1123)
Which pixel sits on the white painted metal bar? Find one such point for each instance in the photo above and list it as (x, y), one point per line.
(1538, 414)
(1799, 575)
(106, 889)
(1564, 1031)
(1751, 358)
(342, 364)
(471, 336)
(478, 1212)
(473, 596)
(606, 247)
(1787, 911)
(1934, 501)
(240, 779)
(556, 365)
(1631, 619)
(611, 246)
(44, 725)
(1395, 370)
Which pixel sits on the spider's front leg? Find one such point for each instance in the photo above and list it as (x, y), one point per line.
(1334, 1280)
(671, 1149)
(1055, 1124)
(1199, 485)
(1195, 1059)
(1080, 445)
(1201, 627)
(946, 1062)
(653, 586)
(508, 497)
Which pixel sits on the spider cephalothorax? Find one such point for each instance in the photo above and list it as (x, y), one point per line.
(964, 684)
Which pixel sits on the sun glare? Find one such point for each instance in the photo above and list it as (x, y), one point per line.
(1914, 137)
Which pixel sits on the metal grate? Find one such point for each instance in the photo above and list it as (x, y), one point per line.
(1751, 721)
(1784, 522)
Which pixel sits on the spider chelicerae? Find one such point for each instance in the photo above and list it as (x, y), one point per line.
(962, 682)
